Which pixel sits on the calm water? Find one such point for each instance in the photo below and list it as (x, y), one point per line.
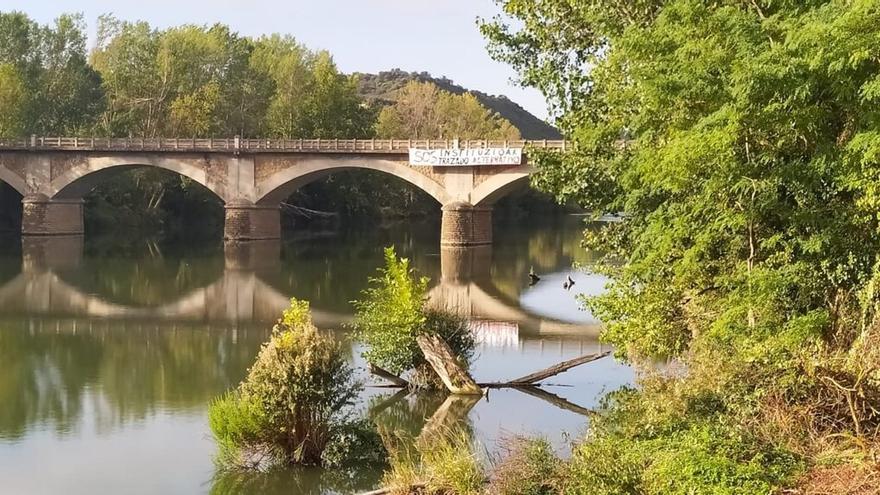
(112, 349)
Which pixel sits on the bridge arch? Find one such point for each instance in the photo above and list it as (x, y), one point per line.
(14, 180)
(81, 178)
(496, 187)
(277, 187)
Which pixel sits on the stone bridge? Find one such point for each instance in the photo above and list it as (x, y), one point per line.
(241, 295)
(253, 176)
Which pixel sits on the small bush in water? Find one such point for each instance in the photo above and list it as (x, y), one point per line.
(292, 407)
(443, 464)
(393, 312)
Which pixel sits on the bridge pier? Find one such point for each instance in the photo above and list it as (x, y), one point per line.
(466, 225)
(246, 221)
(44, 216)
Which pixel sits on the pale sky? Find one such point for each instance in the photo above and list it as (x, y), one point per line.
(437, 36)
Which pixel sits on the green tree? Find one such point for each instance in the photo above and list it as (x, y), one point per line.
(423, 111)
(394, 312)
(68, 97)
(740, 141)
(311, 98)
(12, 101)
(126, 56)
(62, 93)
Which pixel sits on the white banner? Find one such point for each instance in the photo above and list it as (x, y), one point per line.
(458, 157)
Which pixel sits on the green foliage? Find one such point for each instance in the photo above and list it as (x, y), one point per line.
(293, 407)
(671, 442)
(12, 101)
(235, 420)
(45, 78)
(422, 110)
(311, 98)
(447, 464)
(393, 313)
(530, 467)
(740, 142)
(390, 316)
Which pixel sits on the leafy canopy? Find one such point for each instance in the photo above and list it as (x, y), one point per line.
(424, 111)
(740, 141)
(394, 312)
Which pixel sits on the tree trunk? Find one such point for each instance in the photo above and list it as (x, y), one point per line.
(447, 367)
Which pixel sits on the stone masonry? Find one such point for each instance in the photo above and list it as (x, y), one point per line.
(251, 177)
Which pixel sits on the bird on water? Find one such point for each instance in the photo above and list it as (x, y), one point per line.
(533, 277)
(568, 284)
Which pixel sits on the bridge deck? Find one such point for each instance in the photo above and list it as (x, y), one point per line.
(233, 145)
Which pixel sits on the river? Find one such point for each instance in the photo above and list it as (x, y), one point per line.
(112, 348)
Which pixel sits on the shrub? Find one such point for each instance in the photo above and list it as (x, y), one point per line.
(394, 312)
(293, 406)
(446, 464)
(528, 468)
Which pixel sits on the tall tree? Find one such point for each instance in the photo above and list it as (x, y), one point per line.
(423, 111)
(12, 100)
(62, 92)
(741, 140)
(312, 98)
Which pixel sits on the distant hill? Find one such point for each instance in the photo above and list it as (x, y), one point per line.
(380, 88)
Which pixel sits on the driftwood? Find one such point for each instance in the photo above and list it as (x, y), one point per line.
(440, 357)
(531, 380)
(391, 377)
(556, 369)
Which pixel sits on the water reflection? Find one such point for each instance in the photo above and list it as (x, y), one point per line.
(55, 281)
(111, 356)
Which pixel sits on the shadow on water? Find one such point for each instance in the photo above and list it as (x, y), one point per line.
(112, 353)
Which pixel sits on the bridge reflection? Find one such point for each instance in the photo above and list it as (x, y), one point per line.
(74, 347)
(241, 294)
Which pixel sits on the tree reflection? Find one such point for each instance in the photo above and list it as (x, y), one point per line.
(52, 369)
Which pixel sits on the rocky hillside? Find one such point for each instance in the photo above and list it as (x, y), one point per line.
(380, 88)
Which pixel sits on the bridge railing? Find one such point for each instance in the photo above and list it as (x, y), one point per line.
(266, 145)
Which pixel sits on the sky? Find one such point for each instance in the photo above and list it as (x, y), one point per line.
(437, 36)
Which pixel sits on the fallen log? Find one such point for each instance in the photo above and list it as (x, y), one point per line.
(391, 377)
(443, 361)
(532, 379)
(556, 369)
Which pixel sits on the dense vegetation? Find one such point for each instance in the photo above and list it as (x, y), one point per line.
(383, 89)
(394, 311)
(201, 81)
(294, 406)
(741, 140)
